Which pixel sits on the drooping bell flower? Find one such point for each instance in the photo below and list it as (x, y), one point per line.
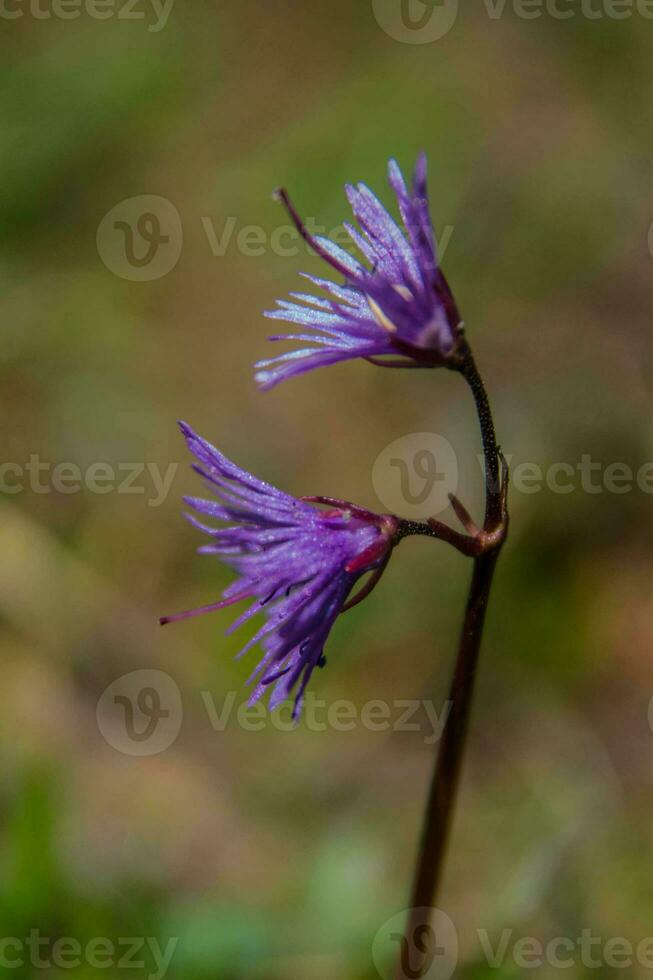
(297, 563)
(394, 307)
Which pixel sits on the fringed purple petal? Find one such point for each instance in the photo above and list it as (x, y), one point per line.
(400, 304)
(292, 559)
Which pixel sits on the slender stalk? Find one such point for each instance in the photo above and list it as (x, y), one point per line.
(493, 508)
(446, 774)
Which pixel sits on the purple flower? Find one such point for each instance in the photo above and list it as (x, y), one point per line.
(297, 562)
(398, 304)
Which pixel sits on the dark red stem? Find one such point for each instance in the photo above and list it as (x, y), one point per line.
(446, 774)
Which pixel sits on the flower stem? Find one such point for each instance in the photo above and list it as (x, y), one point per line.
(444, 784)
(446, 774)
(493, 506)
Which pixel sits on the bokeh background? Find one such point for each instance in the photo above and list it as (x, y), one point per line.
(280, 854)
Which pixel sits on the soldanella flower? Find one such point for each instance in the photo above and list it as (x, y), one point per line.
(394, 305)
(299, 561)
(296, 562)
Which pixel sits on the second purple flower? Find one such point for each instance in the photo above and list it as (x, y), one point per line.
(297, 563)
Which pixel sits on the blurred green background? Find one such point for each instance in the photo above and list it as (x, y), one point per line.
(275, 854)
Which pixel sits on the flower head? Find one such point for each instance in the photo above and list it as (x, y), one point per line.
(399, 303)
(296, 562)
